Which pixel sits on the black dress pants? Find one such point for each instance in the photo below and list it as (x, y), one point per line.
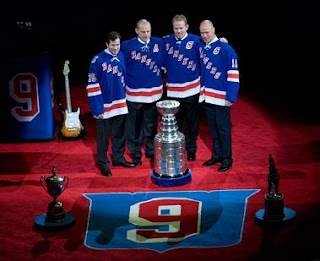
(116, 127)
(188, 120)
(219, 121)
(142, 122)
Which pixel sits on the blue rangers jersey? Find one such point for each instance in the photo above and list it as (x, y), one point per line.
(143, 64)
(106, 85)
(182, 64)
(219, 73)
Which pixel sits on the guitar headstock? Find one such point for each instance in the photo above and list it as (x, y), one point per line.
(66, 69)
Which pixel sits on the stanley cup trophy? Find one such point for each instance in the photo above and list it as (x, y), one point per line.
(169, 148)
(55, 216)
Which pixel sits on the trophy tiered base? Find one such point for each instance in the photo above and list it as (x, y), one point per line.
(274, 211)
(167, 181)
(55, 218)
(42, 221)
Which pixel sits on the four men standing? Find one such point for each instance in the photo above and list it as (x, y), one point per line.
(184, 56)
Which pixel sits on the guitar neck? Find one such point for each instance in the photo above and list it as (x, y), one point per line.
(68, 98)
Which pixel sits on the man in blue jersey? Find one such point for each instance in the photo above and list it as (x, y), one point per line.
(183, 79)
(144, 58)
(219, 90)
(107, 100)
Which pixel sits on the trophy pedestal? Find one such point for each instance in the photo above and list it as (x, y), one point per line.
(41, 221)
(274, 211)
(169, 149)
(289, 215)
(167, 181)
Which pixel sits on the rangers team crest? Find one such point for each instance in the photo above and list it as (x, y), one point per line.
(156, 48)
(189, 44)
(216, 50)
(161, 221)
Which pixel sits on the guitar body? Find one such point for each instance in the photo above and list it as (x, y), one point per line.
(71, 126)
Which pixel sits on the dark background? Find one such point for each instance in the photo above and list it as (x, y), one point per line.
(277, 42)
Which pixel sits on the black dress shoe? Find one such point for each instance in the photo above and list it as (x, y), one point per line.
(211, 161)
(224, 166)
(125, 164)
(106, 172)
(137, 162)
(191, 156)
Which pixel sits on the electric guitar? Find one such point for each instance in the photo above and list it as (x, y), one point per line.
(71, 125)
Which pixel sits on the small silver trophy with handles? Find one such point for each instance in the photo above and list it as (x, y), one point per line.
(55, 217)
(170, 151)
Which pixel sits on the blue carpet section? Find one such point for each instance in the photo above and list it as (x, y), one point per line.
(161, 221)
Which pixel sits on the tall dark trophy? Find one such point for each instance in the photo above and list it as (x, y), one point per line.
(169, 147)
(274, 210)
(55, 217)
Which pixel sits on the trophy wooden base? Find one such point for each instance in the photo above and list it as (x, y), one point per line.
(273, 207)
(41, 222)
(274, 211)
(166, 181)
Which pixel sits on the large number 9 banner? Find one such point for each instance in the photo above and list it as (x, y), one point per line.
(24, 90)
(27, 98)
(173, 220)
(161, 221)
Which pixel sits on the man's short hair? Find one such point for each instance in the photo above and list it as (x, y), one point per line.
(112, 36)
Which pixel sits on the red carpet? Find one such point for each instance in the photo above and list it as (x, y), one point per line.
(257, 132)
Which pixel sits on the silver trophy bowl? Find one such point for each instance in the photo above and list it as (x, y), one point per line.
(168, 107)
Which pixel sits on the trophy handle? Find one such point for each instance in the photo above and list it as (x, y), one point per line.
(66, 178)
(42, 183)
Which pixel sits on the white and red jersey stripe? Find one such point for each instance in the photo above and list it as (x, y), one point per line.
(93, 89)
(115, 108)
(233, 76)
(183, 90)
(212, 96)
(144, 95)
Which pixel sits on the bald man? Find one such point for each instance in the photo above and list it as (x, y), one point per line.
(144, 57)
(219, 90)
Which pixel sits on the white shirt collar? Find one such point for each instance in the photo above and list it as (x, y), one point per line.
(108, 52)
(182, 37)
(214, 40)
(143, 41)
(114, 57)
